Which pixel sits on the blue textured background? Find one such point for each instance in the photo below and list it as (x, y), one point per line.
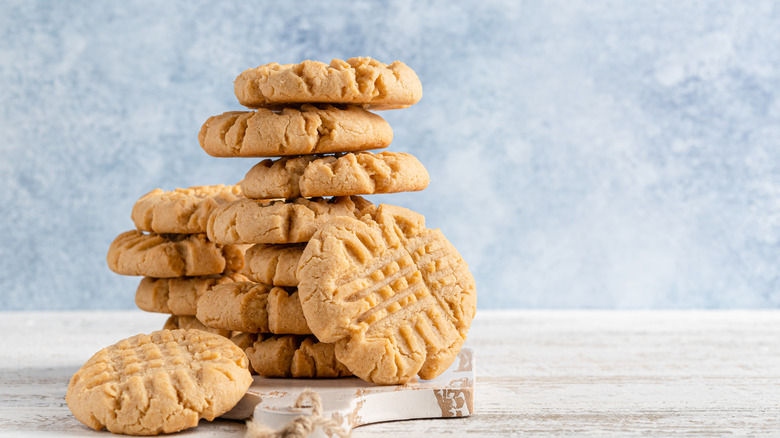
(582, 154)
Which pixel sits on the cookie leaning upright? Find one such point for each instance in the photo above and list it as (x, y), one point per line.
(163, 382)
(395, 297)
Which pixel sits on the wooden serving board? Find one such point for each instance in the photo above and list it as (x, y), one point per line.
(352, 402)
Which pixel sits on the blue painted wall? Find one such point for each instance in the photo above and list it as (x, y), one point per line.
(582, 154)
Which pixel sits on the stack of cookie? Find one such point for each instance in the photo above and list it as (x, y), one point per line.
(339, 285)
(301, 273)
(169, 247)
(320, 136)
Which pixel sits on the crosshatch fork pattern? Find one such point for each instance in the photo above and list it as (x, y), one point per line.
(162, 382)
(391, 287)
(403, 309)
(397, 289)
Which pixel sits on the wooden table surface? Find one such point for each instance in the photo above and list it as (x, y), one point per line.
(539, 373)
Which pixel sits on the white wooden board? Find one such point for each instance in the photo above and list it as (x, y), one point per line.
(352, 402)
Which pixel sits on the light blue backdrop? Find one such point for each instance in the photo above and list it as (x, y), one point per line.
(582, 154)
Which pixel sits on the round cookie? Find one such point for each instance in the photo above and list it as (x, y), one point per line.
(396, 298)
(293, 131)
(253, 308)
(189, 322)
(257, 221)
(171, 255)
(294, 356)
(184, 211)
(310, 176)
(162, 382)
(179, 295)
(356, 81)
(273, 264)
(243, 340)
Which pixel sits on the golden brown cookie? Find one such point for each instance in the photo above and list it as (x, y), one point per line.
(171, 255)
(184, 211)
(244, 341)
(273, 264)
(179, 295)
(396, 298)
(357, 81)
(361, 173)
(294, 356)
(189, 322)
(293, 131)
(162, 382)
(152, 295)
(252, 308)
(254, 221)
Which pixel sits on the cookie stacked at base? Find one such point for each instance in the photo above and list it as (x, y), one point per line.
(169, 247)
(268, 324)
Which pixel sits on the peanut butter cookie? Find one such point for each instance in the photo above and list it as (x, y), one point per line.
(395, 297)
(171, 255)
(162, 382)
(273, 264)
(179, 295)
(294, 356)
(357, 81)
(254, 221)
(253, 308)
(293, 131)
(311, 176)
(184, 211)
(189, 322)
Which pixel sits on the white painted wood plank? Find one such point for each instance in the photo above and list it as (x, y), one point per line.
(541, 373)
